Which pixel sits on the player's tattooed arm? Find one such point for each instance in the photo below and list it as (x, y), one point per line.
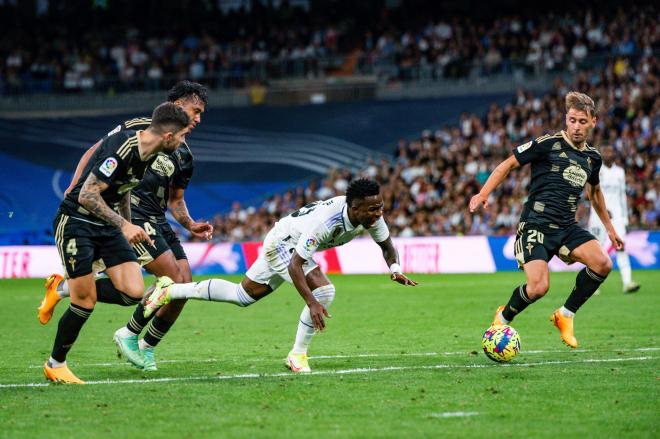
(179, 209)
(125, 206)
(90, 198)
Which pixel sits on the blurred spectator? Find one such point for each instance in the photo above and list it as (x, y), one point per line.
(60, 53)
(427, 185)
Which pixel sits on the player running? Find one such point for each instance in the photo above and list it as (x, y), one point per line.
(613, 185)
(562, 165)
(287, 256)
(87, 227)
(163, 186)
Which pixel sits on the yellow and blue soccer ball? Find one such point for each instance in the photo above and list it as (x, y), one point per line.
(501, 343)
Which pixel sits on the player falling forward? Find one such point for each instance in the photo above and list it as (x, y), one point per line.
(287, 256)
(613, 186)
(163, 186)
(87, 227)
(562, 165)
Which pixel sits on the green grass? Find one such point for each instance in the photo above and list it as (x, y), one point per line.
(608, 388)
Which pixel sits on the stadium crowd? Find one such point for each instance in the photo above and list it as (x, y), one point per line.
(269, 42)
(428, 183)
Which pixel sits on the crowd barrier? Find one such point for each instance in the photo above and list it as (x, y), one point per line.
(467, 254)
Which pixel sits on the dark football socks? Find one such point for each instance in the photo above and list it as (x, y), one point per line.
(586, 283)
(107, 293)
(138, 321)
(517, 303)
(68, 329)
(157, 330)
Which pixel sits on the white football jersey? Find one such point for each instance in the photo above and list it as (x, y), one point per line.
(613, 186)
(322, 225)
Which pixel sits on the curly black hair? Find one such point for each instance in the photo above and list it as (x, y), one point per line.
(188, 89)
(361, 188)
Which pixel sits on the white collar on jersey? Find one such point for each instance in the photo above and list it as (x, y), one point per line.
(344, 217)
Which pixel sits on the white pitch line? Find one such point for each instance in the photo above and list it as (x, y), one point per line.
(336, 372)
(374, 355)
(454, 414)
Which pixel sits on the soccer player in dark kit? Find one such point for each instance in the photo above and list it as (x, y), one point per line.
(88, 227)
(562, 165)
(162, 187)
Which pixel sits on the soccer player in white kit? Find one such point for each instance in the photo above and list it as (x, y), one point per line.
(613, 186)
(287, 256)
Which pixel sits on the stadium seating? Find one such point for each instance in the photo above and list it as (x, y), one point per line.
(391, 45)
(431, 179)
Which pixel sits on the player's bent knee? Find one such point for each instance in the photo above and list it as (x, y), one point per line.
(178, 277)
(134, 291)
(602, 266)
(536, 290)
(325, 294)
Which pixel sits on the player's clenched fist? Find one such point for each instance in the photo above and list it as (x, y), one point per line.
(134, 234)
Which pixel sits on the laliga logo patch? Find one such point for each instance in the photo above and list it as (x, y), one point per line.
(108, 166)
(310, 244)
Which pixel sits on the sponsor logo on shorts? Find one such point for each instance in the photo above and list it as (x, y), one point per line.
(108, 166)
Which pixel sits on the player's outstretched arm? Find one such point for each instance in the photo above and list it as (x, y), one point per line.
(81, 166)
(392, 258)
(598, 202)
(494, 180)
(316, 310)
(90, 198)
(179, 209)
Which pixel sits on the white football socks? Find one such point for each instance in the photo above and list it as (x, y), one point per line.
(63, 289)
(142, 345)
(566, 313)
(125, 332)
(53, 363)
(215, 290)
(325, 295)
(623, 261)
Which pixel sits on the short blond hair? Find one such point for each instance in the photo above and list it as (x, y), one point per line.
(581, 102)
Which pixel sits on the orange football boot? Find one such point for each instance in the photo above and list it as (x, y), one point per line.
(61, 375)
(565, 326)
(45, 310)
(498, 319)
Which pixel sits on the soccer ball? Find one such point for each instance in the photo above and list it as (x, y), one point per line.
(501, 343)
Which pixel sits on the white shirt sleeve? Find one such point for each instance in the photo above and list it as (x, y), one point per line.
(310, 240)
(624, 198)
(379, 231)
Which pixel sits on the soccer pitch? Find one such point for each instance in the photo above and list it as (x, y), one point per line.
(394, 362)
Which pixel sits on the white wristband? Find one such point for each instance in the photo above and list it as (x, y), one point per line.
(395, 268)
